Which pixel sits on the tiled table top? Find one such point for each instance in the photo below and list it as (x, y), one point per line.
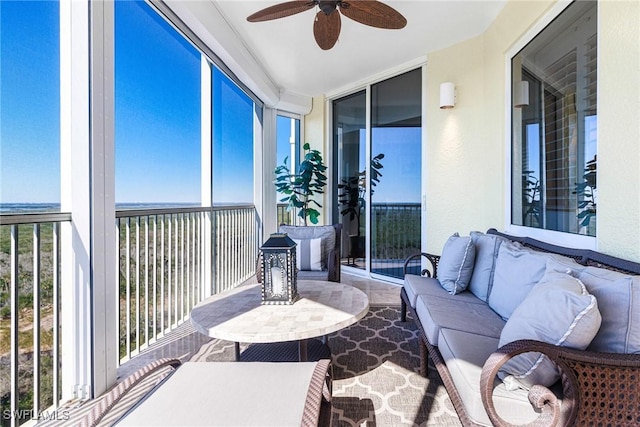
(237, 315)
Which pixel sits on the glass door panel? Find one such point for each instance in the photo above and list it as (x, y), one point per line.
(287, 147)
(349, 124)
(395, 172)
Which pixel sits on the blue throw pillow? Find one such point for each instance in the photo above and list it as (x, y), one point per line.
(456, 264)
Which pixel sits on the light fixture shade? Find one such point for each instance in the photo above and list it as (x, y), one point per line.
(447, 95)
(521, 94)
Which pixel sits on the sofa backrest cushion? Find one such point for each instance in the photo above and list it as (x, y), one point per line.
(326, 232)
(618, 297)
(517, 271)
(558, 311)
(486, 246)
(456, 264)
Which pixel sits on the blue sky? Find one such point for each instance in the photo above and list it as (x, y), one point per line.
(29, 102)
(157, 111)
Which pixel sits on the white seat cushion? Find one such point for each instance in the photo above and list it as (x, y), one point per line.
(227, 394)
(465, 355)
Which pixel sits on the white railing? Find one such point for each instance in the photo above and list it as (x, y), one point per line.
(235, 246)
(169, 260)
(30, 330)
(164, 270)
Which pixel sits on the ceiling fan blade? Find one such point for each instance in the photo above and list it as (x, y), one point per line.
(326, 29)
(281, 10)
(373, 13)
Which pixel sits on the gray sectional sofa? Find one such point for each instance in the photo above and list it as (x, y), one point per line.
(519, 330)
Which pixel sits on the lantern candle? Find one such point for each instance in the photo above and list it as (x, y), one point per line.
(276, 280)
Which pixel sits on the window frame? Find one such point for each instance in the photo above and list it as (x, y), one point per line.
(551, 236)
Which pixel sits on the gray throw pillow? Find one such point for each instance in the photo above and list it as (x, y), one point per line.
(517, 270)
(487, 246)
(618, 297)
(558, 311)
(456, 264)
(309, 254)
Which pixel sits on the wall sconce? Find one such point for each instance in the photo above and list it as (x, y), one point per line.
(521, 94)
(447, 95)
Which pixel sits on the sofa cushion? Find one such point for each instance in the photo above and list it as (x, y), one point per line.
(415, 285)
(517, 271)
(326, 232)
(453, 312)
(557, 311)
(618, 296)
(456, 263)
(486, 246)
(227, 394)
(309, 254)
(465, 354)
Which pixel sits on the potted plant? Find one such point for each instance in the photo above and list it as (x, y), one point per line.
(300, 186)
(351, 198)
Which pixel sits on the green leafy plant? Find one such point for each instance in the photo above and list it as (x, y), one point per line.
(531, 203)
(300, 187)
(352, 190)
(587, 194)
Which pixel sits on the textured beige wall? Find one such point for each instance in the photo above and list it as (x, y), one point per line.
(466, 147)
(619, 129)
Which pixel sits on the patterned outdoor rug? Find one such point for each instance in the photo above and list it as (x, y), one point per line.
(375, 375)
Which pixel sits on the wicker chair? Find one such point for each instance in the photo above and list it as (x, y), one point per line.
(331, 239)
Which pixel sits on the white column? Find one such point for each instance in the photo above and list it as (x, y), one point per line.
(75, 198)
(89, 294)
(104, 258)
(265, 197)
(206, 140)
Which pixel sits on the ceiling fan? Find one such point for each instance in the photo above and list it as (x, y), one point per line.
(326, 26)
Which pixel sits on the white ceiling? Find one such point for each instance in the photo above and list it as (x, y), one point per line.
(291, 61)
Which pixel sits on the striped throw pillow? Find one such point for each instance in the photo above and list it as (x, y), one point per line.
(309, 254)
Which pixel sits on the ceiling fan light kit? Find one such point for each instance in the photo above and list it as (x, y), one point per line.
(327, 23)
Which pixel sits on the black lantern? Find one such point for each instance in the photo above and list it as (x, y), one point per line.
(279, 273)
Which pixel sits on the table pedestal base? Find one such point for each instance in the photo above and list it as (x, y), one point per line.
(290, 351)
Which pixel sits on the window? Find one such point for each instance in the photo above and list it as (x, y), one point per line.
(233, 123)
(30, 106)
(287, 146)
(157, 110)
(554, 123)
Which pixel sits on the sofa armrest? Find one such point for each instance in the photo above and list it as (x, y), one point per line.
(616, 375)
(433, 259)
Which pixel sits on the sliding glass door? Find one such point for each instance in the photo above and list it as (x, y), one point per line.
(396, 123)
(379, 173)
(349, 124)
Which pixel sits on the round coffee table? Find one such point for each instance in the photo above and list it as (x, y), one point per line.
(238, 316)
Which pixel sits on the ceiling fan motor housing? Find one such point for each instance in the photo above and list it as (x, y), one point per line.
(328, 7)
